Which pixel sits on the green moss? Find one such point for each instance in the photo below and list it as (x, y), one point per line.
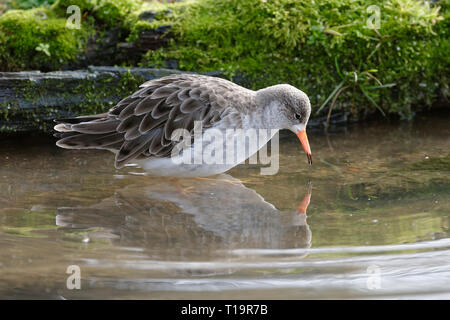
(37, 39)
(60, 6)
(104, 92)
(28, 4)
(109, 12)
(164, 15)
(114, 12)
(315, 45)
(140, 26)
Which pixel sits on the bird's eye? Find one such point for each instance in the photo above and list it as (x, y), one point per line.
(297, 116)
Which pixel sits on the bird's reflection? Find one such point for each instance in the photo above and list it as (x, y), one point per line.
(195, 217)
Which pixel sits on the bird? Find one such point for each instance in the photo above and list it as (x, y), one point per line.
(152, 211)
(144, 128)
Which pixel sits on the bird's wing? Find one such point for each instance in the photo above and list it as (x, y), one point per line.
(146, 119)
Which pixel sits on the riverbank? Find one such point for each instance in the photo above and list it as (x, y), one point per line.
(349, 57)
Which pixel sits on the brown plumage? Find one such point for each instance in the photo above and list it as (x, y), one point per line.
(141, 125)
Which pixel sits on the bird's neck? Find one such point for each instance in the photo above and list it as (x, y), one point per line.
(261, 118)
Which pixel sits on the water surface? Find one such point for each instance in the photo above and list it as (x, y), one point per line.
(377, 224)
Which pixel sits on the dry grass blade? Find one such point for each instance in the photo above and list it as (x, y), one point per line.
(332, 105)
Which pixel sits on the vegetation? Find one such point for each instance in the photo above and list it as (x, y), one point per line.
(38, 39)
(28, 4)
(321, 46)
(391, 58)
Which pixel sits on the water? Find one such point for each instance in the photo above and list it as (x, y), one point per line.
(377, 225)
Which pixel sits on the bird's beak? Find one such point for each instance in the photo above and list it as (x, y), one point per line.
(300, 131)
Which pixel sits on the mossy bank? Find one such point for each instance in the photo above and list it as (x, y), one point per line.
(390, 58)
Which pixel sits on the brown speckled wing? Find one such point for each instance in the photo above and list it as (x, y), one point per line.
(146, 119)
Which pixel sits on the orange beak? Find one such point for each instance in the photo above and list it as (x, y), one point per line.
(301, 134)
(304, 205)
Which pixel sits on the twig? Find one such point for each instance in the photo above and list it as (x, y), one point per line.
(373, 77)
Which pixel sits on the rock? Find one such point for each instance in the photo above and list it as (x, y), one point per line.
(153, 39)
(111, 47)
(147, 15)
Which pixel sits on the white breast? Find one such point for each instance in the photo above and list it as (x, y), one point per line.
(217, 151)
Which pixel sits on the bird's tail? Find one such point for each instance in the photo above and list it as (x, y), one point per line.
(89, 132)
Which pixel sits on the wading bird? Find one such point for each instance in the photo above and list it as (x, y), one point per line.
(140, 128)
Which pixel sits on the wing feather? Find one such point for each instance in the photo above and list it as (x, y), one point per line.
(142, 124)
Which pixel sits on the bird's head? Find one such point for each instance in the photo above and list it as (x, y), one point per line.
(286, 107)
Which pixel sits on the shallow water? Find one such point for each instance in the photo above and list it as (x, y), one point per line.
(377, 224)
